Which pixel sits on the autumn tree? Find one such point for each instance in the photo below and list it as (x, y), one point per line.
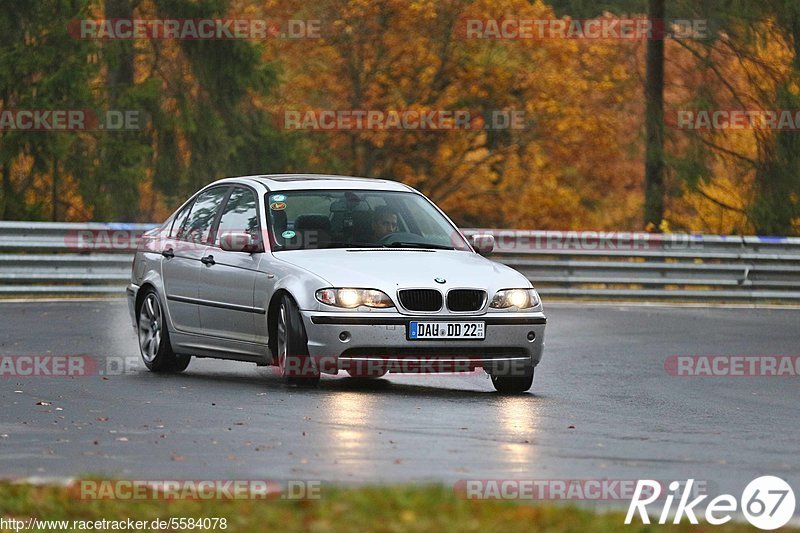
(42, 67)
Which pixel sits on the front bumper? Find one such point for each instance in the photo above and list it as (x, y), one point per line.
(381, 339)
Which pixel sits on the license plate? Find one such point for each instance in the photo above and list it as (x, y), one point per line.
(446, 330)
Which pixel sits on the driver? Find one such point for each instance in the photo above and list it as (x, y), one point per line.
(384, 222)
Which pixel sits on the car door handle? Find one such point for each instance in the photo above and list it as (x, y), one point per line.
(207, 260)
(168, 253)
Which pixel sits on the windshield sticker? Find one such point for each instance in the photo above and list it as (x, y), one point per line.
(288, 234)
(277, 206)
(278, 197)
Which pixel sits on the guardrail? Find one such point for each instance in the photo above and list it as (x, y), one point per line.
(641, 266)
(51, 259)
(95, 259)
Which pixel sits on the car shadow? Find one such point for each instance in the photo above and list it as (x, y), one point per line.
(265, 380)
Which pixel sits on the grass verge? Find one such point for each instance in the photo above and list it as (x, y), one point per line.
(390, 509)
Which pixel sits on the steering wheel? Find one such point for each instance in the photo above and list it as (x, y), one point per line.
(389, 237)
(401, 237)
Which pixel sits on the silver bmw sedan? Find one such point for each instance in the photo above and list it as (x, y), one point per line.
(316, 274)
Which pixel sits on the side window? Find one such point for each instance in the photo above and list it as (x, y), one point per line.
(240, 214)
(180, 219)
(198, 224)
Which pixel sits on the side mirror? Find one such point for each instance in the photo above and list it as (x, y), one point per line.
(238, 241)
(483, 244)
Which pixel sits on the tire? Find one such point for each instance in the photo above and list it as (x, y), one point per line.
(513, 384)
(294, 363)
(153, 337)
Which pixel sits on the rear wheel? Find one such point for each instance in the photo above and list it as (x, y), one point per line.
(511, 384)
(153, 336)
(294, 363)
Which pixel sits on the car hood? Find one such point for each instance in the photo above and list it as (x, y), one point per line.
(389, 269)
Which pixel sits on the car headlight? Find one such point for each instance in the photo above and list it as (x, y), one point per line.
(520, 298)
(351, 298)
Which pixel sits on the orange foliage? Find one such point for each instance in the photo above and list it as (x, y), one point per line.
(577, 164)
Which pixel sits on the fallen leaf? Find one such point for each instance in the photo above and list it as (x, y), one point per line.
(102, 419)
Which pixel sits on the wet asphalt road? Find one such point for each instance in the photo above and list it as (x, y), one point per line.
(602, 407)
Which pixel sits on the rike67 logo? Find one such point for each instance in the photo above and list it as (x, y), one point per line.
(767, 503)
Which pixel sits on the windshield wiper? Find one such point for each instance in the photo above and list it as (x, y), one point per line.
(404, 244)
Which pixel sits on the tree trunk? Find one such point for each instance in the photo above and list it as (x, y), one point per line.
(54, 191)
(123, 198)
(120, 53)
(8, 193)
(654, 119)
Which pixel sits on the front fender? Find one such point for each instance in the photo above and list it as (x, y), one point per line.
(297, 281)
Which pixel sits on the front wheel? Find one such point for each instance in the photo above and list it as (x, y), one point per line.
(293, 360)
(153, 336)
(513, 384)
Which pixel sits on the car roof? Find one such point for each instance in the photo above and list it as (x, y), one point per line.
(288, 182)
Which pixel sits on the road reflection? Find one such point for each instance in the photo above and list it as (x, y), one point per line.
(517, 422)
(348, 414)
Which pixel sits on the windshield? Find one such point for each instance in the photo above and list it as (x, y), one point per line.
(344, 219)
